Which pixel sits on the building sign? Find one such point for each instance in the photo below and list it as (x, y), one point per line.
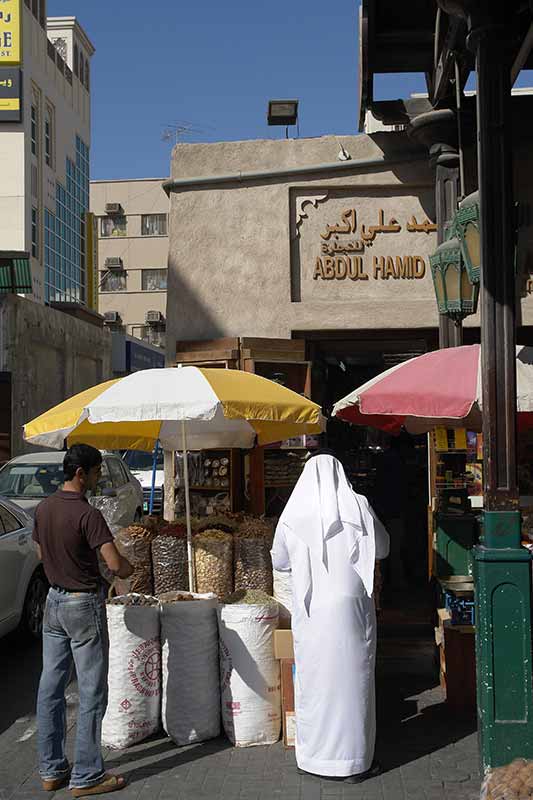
(10, 94)
(139, 357)
(10, 32)
(352, 248)
(341, 255)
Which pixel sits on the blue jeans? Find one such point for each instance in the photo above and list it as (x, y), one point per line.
(74, 634)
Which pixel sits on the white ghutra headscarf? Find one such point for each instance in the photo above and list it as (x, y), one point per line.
(324, 504)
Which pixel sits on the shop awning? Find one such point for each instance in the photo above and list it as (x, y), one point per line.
(15, 273)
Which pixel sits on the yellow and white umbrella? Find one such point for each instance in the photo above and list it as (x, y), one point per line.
(188, 408)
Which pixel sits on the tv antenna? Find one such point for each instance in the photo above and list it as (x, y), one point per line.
(175, 132)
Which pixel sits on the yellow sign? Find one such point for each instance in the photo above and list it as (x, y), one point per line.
(10, 32)
(10, 104)
(460, 439)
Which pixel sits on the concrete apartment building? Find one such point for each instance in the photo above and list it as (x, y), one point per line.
(132, 226)
(45, 116)
(46, 249)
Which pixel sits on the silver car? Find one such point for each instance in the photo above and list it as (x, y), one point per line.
(26, 480)
(23, 586)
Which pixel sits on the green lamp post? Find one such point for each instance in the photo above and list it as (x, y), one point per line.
(457, 294)
(502, 568)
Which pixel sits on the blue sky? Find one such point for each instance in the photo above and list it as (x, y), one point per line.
(213, 66)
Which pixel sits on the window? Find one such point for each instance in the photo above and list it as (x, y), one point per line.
(154, 225)
(113, 226)
(87, 76)
(35, 233)
(42, 14)
(154, 280)
(9, 522)
(113, 282)
(117, 473)
(82, 68)
(34, 130)
(49, 137)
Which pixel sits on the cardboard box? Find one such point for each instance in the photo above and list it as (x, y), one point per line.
(283, 645)
(288, 672)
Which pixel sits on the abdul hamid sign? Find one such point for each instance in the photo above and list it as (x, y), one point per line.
(343, 243)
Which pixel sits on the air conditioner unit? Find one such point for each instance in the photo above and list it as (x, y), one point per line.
(154, 317)
(111, 317)
(114, 263)
(113, 209)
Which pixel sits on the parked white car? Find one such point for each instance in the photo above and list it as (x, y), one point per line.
(23, 586)
(141, 465)
(26, 480)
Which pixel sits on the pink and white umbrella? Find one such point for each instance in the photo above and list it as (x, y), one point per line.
(439, 388)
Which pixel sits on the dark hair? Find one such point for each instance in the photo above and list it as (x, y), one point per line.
(80, 455)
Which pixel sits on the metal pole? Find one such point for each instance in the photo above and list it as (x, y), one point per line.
(192, 576)
(502, 569)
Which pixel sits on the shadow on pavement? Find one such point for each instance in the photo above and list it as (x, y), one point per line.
(21, 669)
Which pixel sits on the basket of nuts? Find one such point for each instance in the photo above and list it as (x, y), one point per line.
(213, 558)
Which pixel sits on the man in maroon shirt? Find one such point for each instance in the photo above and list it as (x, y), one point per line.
(69, 533)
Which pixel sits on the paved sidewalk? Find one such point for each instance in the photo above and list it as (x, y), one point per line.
(426, 752)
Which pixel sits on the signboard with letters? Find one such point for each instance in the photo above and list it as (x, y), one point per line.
(348, 244)
(10, 94)
(139, 357)
(10, 32)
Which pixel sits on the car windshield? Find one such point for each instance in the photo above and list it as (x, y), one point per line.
(141, 461)
(30, 480)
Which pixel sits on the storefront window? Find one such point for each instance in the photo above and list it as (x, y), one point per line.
(154, 280)
(113, 282)
(154, 225)
(113, 226)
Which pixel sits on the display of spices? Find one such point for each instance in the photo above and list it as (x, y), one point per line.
(176, 597)
(134, 543)
(133, 600)
(512, 782)
(220, 522)
(213, 557)
(249, 597)
(169, 559)
(253, 564)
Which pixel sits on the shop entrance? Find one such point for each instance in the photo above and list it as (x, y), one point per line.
(394, 477)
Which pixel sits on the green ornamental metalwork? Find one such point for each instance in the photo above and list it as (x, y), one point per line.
(466, 228)
(456, 295)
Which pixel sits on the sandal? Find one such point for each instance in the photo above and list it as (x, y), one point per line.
(110, 783)
(54, 784)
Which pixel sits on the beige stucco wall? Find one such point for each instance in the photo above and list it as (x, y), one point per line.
(50, 356)
(242, 256)
(137, 197)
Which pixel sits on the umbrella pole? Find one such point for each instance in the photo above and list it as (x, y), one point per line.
(192, 581)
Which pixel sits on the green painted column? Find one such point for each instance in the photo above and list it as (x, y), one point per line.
(502, 573)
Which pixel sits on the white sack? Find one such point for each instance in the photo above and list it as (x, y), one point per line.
(249, 673)
(283, 596)
(191, 684)
(133, 710)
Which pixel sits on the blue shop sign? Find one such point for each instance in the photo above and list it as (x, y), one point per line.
(139, 357)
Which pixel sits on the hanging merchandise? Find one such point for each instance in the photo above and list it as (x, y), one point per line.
(133, 710)
(283, 597)
(249, 673)
(191, 684)
(213, 554)
(169, 559)
(134, 544)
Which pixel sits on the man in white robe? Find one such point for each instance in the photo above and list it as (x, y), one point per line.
(328, 537)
